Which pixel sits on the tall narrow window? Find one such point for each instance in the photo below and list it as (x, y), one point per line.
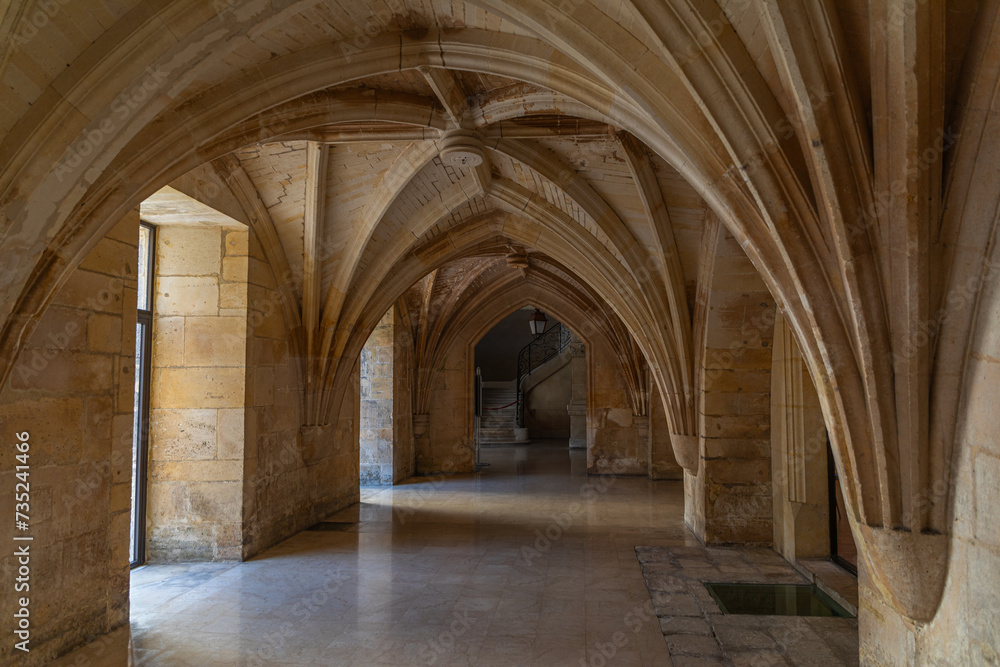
(140, 418)
(843, 550)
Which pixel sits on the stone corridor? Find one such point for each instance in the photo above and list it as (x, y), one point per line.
(773, 226)
(530, 562)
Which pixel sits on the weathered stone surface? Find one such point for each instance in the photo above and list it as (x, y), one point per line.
(187, 296)
(168, 341)
(184, 434)
(215, 341)
(64, 392)
(104, 333)
(234, 269)
(854, 173)
(207, 387)
(693, 645)
(233, 295)
(666, 583)
(194, 470)
(230, 433)
(92, 291)
(738, 639)
(63, 329)
(199, 390)
(62, 372)
(686, 625)
(188, 251)
(237, 243)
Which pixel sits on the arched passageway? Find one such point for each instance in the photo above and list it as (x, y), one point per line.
(844, 150)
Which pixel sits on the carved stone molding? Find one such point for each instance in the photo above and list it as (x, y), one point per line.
(686, 451)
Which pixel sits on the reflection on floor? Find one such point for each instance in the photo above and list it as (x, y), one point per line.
(530, 562)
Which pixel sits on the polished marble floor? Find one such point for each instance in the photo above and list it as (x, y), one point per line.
(530, 562)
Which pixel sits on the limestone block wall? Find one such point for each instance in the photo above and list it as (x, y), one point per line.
(614, 445)
(546, 414)
(403, 446)
(71, 390)
(966, 628)
(799, 454)
(281, 494)
(729, 500)
(197, 394)
(377, 414)
(450, 447)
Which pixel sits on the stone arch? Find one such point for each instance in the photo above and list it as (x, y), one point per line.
(732, 131)
(468, 236)
(161, 145)
(168, 152)
(473, 317)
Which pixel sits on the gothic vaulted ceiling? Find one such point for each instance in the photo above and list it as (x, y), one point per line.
(846, 145)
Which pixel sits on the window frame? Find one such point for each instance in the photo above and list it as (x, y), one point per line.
(143, 369)
(833, 485)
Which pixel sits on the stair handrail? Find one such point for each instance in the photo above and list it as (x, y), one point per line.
(535, 354)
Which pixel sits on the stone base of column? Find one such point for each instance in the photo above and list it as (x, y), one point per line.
(315, 442)
(577, 410)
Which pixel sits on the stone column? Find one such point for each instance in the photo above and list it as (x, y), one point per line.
(798, 454)
(577, 407)
(421, 431)
(641, 423)
(728, 499)
(314, 442)
(662, 463)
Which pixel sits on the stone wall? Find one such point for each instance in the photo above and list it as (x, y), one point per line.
(729, 500)
(966, 628)
(546, 414)
(577, 408)
(232, 457)
(496, 353)
(450, 447)
(71, 390)
(197, 394)
(612, 430)
(799, 454)
(377, 414)
(403, 444)
(282, 494)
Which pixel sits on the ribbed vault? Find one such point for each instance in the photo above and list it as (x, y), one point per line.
(829, 167)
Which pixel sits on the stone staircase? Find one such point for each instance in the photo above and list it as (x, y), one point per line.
(497, 425)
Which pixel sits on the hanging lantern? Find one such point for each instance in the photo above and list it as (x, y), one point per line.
(537, 322)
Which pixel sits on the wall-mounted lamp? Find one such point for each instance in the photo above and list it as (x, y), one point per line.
(537, 322)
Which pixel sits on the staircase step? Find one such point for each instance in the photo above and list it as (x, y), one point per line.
(497, 421)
